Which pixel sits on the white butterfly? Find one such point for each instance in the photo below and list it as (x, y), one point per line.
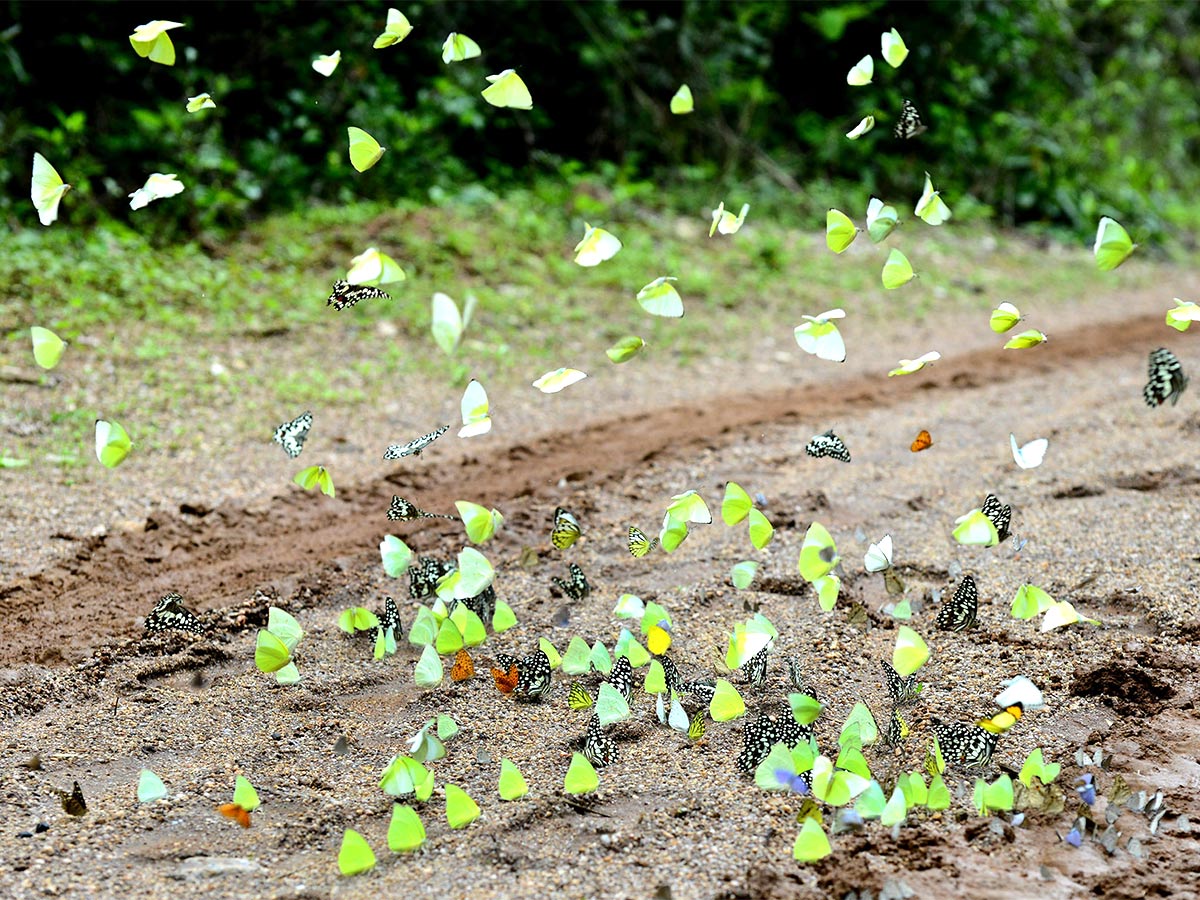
(879, 556)
(1031, 455)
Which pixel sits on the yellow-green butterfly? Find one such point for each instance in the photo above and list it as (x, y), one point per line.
(151, 40)
(508, 90)
(356, 855)
(894, 50)
(1182, 316)
(150, 787)
(1004, 317)
(326, 63)
(897, 271)
(862, 72)
(625, 349)
(682, 103)
(199, 102)
(365, 151)
(480, 523)
(512, 784)
(406, 831)
(47, 347)
(881, 219)
(448, 324)
(659, 298)
(725, 221)
(112, 443)
(461, 810)
(157, 187)
(554, 381)
(458, 47)
(374, 268)
(931, 208)
(909, 366)
(910, 652)
(396, 30)
(47, 189)
(581, 777)
(840, 231)
(1112, 246)
(597, 246)
(315, 476)
(577, 697)
(864, 125)
(639, 544)
(565, 531)
(997, 795)
(475, 415)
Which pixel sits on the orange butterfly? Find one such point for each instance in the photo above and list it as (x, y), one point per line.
(463, 667)
(506, 681)
(923, 442)
(235, 812)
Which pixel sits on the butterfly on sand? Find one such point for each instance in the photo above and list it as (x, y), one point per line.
(901, 690)
(346, 294)
(169, 612)
(909, 124)
(389, 618)
(1000, 514)
(696, 725)
(755, 668)
(577, 588)
(897, 729)
(827, 444)
(702, 689)
(621, 678)
(959, 612)
(671, 675)
(965, 744)
(464, 666)
(507, 677)
(424, 576)
(403, 511)
(235, 812)
(533, 681)
(291, 435)
(923, 441)
(764, 733)
(1166, 381)
(415, 446)
(598, 747)
(639, 544)
(566, 529)
(73, 803)
(482, 604)
(578, 697)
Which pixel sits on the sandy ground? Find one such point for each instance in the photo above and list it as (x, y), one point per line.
(1110, 519)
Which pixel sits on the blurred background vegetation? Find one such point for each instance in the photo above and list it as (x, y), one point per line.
(1047, 114)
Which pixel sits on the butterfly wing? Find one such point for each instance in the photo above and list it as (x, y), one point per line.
(959, 612)
(169, 612)
(463, 668)
(534, 675)
(827, 444)
(577, 588)
(598, 747)
(578, 698)
(73, 803)
(566, 529)
(1000, 514)
(755, 668)
(621, 678)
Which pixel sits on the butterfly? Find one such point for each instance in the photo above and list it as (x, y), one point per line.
(923, 441)
(291, 435)
(346, 294)
(671, 675)
(901, 690)
(169, 612)
(598, 747)
(897, 729)
(827, 444)
(389, 618)
(1167, 380)
(464, 666)
(701, 689)
(578, 698)
(506, 678)
(755, 668)
(566, 529)
(482, 604)
(621, 678)
(639, 544)
(415, 446)
(577, 588)
(958, 613)
(1004, 720)
(764, 733)
(967, 744)
(799, 682)
(235, 812)
(402, 510)
(1001, 516)
(73, 803)
(696, 726)
(909, 124)
(534, 675)
(424, 576)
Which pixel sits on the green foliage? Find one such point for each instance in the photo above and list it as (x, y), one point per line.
(1050, 112)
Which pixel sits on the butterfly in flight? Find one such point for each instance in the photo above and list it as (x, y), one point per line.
(346, 294)
(1166, 381)
(923, 441)
(403, 511)
(598, 747)
(235, 812)
(415, 446)
(566, 529)
(901, 690)
(639, 544)
(909, 124)
(827, 444)
(577, 588)
(291, 435)
(169, 612)
(1000, 514)
(959, 612)
(464, 666)
(73, 803)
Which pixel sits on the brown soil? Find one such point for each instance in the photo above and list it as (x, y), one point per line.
(1110, 519)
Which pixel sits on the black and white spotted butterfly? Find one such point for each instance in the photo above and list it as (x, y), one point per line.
(424, 576)
(389, 618)
(482, 604)
(598, 747)
(764, 733)
(577, 588)
(901, 690)
(909, 124)
(755, 668)
(702, 689)
(671, 675)
(403, 511)
(346, 294)
(533, 675)
(965, 744)
(621, 678)
(1167, 380)
(827, 444)
(799, 682)
(169, 612)
(959, 612)
(415, 446)
(1000, 514)
(291, 435)
(897, 729)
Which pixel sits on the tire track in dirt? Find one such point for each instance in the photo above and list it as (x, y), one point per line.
(221, 557)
